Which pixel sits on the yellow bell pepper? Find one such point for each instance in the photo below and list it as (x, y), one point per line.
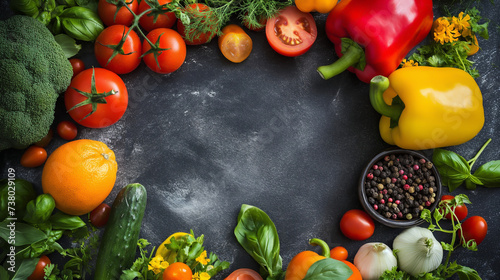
(321, 6)
(427, 107)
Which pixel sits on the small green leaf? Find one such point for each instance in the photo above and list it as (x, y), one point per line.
(25, 269)
(452, 167)
(489, 173)
(328, 269)
(24, 234)
(66, 222)
(68, 44)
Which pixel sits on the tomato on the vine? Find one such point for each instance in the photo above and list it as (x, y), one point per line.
(168, 60)
(39, 273)
(234, 43)
(177, 271)
(291, 32)
(106, 43)
(67, 130)
(244, 274)
(100, 215)
(78, 65)
(475, 228)
(107, 12)
(357, 225)
(34, 156)
(460, 210)
(100, 107)
(200, 37)
(153, 20)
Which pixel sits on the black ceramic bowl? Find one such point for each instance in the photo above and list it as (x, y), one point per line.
(393, 180)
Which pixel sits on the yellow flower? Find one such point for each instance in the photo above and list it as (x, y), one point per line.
(157, 264)
(462, 24)
(409, 63)
(201, 276)
(445, 32)
(202, 258)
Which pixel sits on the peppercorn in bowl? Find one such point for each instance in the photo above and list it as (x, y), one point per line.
(397, 185)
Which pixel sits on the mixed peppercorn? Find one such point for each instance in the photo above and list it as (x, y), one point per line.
(400, 186)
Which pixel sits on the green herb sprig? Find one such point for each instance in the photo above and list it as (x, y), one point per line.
(454, 170)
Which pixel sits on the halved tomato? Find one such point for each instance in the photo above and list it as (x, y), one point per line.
(291, 32)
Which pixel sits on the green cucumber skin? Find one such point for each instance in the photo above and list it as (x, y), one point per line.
(119, 241)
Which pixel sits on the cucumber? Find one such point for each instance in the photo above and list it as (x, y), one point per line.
(119, 241)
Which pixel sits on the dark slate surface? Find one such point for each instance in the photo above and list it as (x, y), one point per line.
(271, 133)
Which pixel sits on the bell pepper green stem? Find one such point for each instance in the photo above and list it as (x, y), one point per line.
(378, 85)
(324, 247)
(350, 57)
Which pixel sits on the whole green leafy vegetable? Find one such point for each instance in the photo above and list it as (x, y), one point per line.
(34, 71)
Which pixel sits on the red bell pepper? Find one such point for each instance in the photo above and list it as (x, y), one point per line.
(372, 37)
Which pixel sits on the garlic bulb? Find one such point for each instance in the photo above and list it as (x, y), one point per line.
(372, 259)
(418, 251)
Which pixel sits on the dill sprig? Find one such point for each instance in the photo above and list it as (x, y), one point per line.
(255, 12)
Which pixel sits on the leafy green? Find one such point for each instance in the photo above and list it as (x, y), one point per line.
(328, 269)
(24, 193)
(25, 269)
(68, 45)
(257, 234)
(139, 268)
(25, 234)
(454, 170)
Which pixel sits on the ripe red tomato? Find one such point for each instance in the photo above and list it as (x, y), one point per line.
(200, 38)
(107, 12)
(67, 130)
(34, 156)
(460, 210)
(120, 63)
(291, 32)
(168, 60)
(163, 20)
(475, 228)
(77, 64)
(244, 274)
(339, 253)
(357, 225)
(100, 215)
(108, 109)
(39, 273)
(177, 271)
(234, 43)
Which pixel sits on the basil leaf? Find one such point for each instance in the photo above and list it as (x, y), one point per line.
(25, 269)
(90, 4)
(3, 273)
(25, 7)
(81, 23)
(64, 221)
(257, 234)
(453, 168)
(68, 44)
(489, 174)
(23, 192)
(22, 234)
(328, 269)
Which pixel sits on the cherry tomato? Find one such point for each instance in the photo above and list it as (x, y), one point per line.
(357, 225)
(77, 64)
(34, 156)
(112, 107)
(475, 228)
(339, 253)
(244, 274)
(46, 139)
(234, 43)
(67, 130)
(163, 20)
(291, 32)
(168, 60)
(177, 271)
(201, 38)
(39, 273)
(107, 12)
(460, 210)
(120, 63)
(100, 215)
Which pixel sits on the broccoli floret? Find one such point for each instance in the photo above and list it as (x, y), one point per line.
(34, 72)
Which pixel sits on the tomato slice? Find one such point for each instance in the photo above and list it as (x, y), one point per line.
(234, 43)
(291, 32)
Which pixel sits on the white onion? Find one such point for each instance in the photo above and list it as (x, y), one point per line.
(372, 259)
(418, 251)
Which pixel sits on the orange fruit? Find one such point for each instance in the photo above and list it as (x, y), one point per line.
(79, 175)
